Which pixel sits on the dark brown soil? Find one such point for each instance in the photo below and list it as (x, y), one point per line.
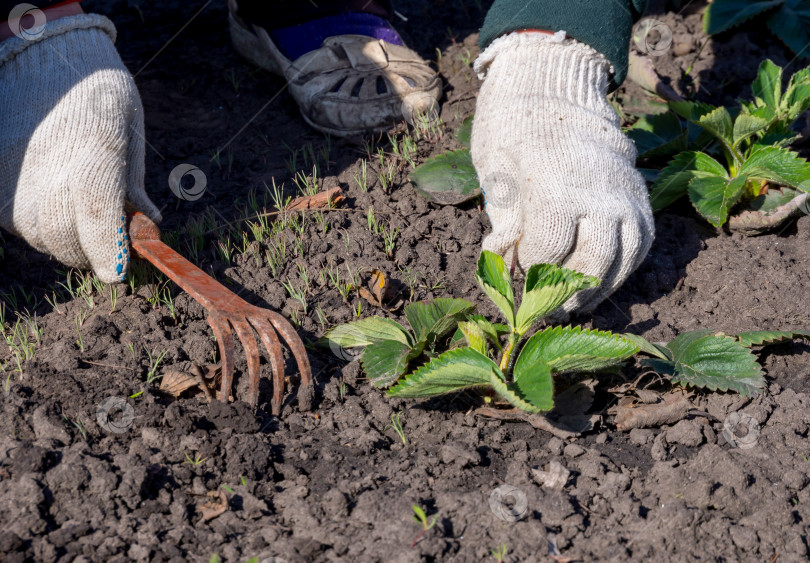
(338, 483)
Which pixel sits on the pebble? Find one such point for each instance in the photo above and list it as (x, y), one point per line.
(573, 450)
(686, 432)
(555, 446)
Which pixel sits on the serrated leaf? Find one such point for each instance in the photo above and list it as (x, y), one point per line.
(778, 165)
(493, 331)
(494, 279)
(435, 319)
(797, 96)
(452, 371)
(533, 393)
(766, 337)
(713, 197)
(464, 131)
(721, 15)
(746, 125)
(767, 86)
(772, 200)
(475, 336)
(447, 179)
(718, 122)
(690, 110)
(673, 181)
(367, 331)
(648, 347)
(567, 349)
(385, 362)
(658, 135)
(791, 23)
(546, 288)
(702, 359)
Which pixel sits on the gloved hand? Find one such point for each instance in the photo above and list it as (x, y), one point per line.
(71, 144)
(557, 172)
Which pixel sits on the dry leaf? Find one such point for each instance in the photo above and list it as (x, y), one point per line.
(176, 382)
(380, 290)
(671, 408)
(214, 507)
(555, 477)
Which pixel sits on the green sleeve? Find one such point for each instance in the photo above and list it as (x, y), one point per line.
(605, 25)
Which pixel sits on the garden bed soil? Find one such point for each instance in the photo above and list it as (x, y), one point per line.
(337, 483)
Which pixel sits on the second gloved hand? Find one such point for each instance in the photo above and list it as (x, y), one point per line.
(558, 175)
(71, 144)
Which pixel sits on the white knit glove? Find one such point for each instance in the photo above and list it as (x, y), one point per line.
(558, 174)
(71, 144)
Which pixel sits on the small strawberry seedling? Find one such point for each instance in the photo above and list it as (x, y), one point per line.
(521, 370)
(749, 143)
(499, 357)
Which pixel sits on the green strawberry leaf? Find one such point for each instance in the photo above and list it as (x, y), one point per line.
(791, 24)
(475, 336)
(713, 197)
(721, 15)
(365, 332)
(447, 179)
(532, 390)
(452, 371)
(494, 279)
(658, 135)
(545, 289)
(718, 123)
(385, 362)
(772, 200)
(464, 131)
(778, 165)
(567, 349)
(648, 347)
(746, 125)
(766, 337)
(673, 181)
(434, 319)
(767, 86)
(702, 359)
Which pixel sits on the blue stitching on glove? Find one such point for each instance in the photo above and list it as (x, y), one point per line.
(119, 267)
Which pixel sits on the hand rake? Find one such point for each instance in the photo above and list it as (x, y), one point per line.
(227, 311)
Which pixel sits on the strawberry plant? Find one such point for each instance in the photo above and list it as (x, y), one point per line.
(499, 357)
(751, 147)
(520, 369)
(789, 20)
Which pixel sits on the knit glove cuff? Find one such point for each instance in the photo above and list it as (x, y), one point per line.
(13, 46)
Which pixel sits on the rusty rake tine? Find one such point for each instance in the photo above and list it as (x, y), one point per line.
(292, 339)
(251, 347)
(271, 342)
(222, 332)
